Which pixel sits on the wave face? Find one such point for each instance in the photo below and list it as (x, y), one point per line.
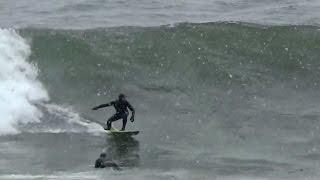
(212, 82)
(224, 76)
(196, 54)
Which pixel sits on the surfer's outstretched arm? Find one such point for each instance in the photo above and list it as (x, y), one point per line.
(102, 106)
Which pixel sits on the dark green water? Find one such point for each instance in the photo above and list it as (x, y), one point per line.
(213, 101)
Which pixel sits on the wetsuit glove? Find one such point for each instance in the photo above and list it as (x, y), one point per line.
(132, 119)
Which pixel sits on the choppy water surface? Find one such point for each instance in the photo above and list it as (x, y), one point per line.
(86, 14)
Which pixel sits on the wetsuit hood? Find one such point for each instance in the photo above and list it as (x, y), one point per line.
(122, 96)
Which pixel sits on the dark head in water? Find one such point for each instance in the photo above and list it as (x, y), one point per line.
(103, 162)
(122, 97)
(103, 155)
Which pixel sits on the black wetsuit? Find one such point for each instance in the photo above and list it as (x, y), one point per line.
(99, 163)
(122, 112)
(103, 162)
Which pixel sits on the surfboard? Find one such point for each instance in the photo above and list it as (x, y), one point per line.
(113, 131)
(116, 132)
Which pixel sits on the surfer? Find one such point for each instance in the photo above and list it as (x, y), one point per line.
(121, 105)
(103, 161)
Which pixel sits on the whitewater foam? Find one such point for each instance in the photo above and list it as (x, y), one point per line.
(72, 121)
(19, 86)
(22, 96)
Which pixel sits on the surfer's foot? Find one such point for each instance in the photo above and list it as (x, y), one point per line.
(106, 128)
(122, 129)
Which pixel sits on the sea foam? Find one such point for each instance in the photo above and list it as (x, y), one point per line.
(20, 88)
